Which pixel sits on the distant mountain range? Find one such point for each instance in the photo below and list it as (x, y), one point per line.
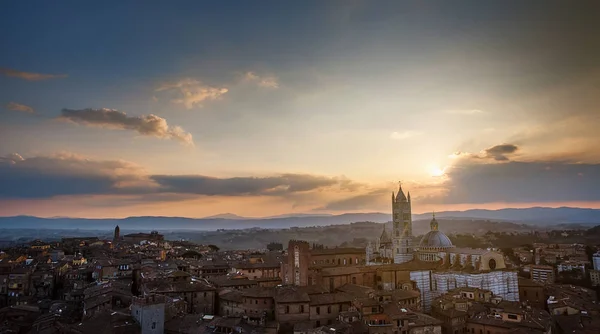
(534, 216)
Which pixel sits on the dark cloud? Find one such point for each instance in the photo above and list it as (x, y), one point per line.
(367, 201)
(499, 152)
(483, 181)
(237, 186)
(30, 76)
(67, 174)
(147, 125)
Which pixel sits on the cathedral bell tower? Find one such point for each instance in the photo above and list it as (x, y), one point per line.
(402, 237)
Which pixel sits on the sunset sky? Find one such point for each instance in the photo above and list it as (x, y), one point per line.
(260, 108)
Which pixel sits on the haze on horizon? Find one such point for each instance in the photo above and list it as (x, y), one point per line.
(195, 108)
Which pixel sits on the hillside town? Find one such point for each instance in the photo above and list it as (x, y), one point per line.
(398, 284)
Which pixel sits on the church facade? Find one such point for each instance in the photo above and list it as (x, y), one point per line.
(454, 266)
(434, 246)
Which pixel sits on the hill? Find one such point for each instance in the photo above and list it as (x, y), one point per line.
(540, 217)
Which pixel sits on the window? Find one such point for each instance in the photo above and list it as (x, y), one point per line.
(492, 264)
(301, 308)
(513, 316)
(318, 310)
(287, 309)
(205, 295)
(154, 325)
(264, 301)
(525, 293)
(328, 309)
(353, 280)
(256, 301)
(318, 323)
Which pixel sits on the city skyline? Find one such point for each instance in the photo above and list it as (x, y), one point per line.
(269, 108)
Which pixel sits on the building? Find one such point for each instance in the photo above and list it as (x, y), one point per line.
(542, 274)
(153, 236)
(399, 248)
(434, 246)
(596, 260)
(303, 265)
(577, 267)
(296, 269)
(117, 235)
(595, 277)
(149, 312)
(383, 250)
(402, 238)
(532, 293)
(502, 283)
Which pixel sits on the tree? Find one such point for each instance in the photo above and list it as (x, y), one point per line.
(213, 248)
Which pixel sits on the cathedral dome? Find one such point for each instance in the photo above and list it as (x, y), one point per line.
(435, 239)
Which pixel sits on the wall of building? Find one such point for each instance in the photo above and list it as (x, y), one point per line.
(437, 329)
(423, 280)
(151, 317)
(326, 314)
(501, 283)
(292, 312)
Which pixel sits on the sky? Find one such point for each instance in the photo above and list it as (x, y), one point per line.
(196, 108)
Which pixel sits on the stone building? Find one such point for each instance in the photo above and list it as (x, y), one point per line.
(325, 308)
(532, 293)
(149, 312)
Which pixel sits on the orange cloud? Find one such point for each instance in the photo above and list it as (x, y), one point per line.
(30, 76)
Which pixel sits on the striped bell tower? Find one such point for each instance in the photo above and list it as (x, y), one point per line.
(402, 237)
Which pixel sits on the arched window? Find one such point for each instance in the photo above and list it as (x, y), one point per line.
(492, 264)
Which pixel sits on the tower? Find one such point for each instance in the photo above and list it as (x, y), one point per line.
(117, 234)
(402, 227)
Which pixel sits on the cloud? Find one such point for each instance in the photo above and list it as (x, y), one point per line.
(267, 81)
(70, 174)
(278, 185)
(494, 176)
(19, 107)
(192, 93)
(464, 111)
(29, 75)
(366, 201)
(404, 135)
(147, 125)
(500, 152)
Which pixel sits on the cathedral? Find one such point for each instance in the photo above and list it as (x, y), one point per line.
(454, 267)
(434, 246)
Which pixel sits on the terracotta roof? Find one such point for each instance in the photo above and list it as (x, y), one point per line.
(291, 295)
(259, 292)
(330, 298)
(334, 251)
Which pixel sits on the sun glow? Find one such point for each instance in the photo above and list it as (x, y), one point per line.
(436, 171)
